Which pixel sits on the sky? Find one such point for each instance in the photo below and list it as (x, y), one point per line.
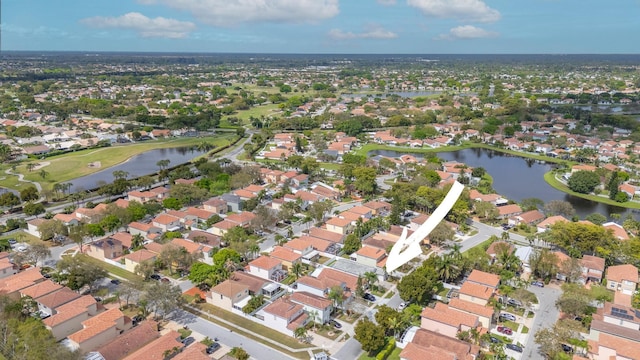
(324, 26)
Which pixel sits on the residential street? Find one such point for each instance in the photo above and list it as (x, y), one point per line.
(546, 315)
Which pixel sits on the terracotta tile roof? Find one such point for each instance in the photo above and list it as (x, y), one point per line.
(211, 239)
(593, 262)
(40, 289)
(491, 250)
(140, 226)
(265, 262)
(348, 215)
(199, 213)
(622, 347)
(225, 224)
(338, 222)
(97, 325)
(245, 194)
(230, 288)
(443, 314)
(140, 255)
(155, 349)
(509, 209)
(299, 244)
(165, 219)
(177, 213)
(60, 297)
(298, 322)
(305, 298)
(196, 351)
(326, 235)
(371, 252)
(215, 202)
(350, 280)
(484, 278)
(254, 283)
(473, 308)
(242, 218)
(617, 230)
(20, 280)
(283, 308)
(70, 310)
(462, 349)
(285, 254)
(476, 290)
(546, 223)
(531, 216)
(190, 246)
(618, 273)
(376, 205)
(124, 238)
(154, 247)
(65, 218)
(416, 352)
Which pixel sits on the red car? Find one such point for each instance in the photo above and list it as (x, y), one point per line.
(505, 330)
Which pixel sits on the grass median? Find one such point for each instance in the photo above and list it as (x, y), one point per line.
(550, 178)
(251, 329)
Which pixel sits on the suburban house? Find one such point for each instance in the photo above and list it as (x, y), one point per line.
(68, 318)
(325, 234)
(484, 313)
(129, 341)
(227, 294)
(267, 268)
(622, 278)
(314, 304)
(241, 219)
(194, 248)
(286, 256)
(378, 208)
(484, 278)
(507, 211)
(370, 256)
(136, 258)
(11, 285)
(48, 304)
(166, 222)
(158, 348)
(614, 333)
(339, 226)
(105, 249)
(99, 330)
(618, 231)
(284, 315)
(545, 224)
(475, 293)
(529, 218)
(444, 320)
(216, 205)
(145, 230)
(592, 268)
(34, 225)
(40, 289)
(220, 228)
(234, 204)
(6, 267)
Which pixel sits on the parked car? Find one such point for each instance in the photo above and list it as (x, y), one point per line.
(567, 348)
(212, 348)
(508, 316)
(514, 347)
(369, 297)
(137, 319)
(514, 302)
(494, 340)
(538, 284)
(188, 340)
(12, 242)
(504, 330)
(335, 324)
(155, 276)
(402, 305)
(115, 282)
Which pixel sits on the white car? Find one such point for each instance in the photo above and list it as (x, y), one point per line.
(21, 248)
(402, 305)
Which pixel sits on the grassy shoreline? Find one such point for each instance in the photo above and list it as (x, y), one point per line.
(73, 165)
(550, 178)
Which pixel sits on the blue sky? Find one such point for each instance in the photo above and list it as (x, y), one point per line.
(323, 26)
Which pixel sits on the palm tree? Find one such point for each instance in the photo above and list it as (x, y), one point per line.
(297, 269)
(205, 146)
(162, 164)
(447, 268)
(31, 166)
(455, 251)
(371, 278)
(505, 235)
(315, 315)
(300, 333)
(43, 174)
(336, 295)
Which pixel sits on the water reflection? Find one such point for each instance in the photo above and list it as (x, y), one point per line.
(139, 165)
(518, 178)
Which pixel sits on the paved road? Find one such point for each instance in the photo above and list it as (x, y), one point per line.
(227, 337)
(546, 315)
(349, 351)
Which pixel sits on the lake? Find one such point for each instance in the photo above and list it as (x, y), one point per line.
(518, 178)
(138, 165)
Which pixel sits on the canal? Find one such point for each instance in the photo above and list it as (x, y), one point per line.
(517, 178)
(138, 165)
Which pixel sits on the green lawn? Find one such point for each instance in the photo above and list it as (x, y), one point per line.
(395, 355)
(550, 178)
(23, 236)
(112, 269)
(243, 323)
(76, 164)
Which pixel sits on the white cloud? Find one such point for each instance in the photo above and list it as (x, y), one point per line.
(467, 32)
(387, 2)
(146, 27)
(233, 12)
(371, 32)
(467, 10)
